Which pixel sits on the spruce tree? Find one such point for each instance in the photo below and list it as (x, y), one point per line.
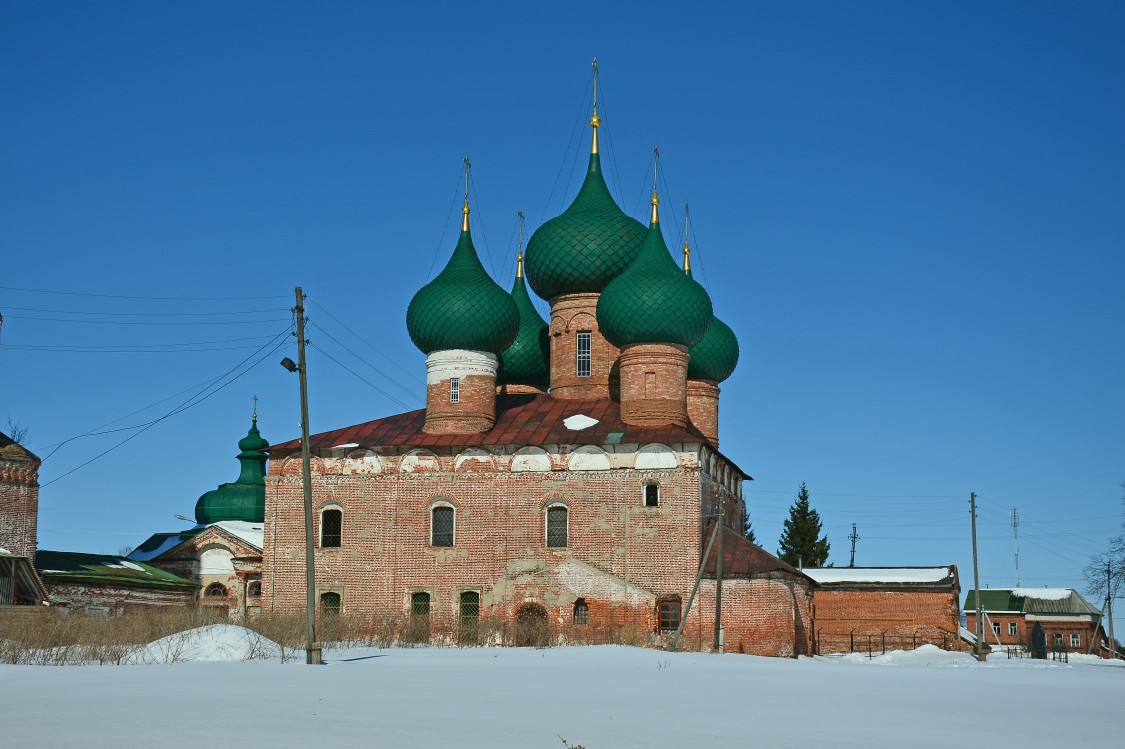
(747, 528)
(801, 543)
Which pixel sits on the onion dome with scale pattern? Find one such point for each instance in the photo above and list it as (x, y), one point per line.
(654, 301)
(528, 360)
(716, 355)
(245, 498)
(587, 245)
(462, 308)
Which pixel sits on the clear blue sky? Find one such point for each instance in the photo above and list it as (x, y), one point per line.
(910, 213)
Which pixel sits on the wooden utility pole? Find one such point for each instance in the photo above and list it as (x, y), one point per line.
(694, 590)
(718, 645)
(976, 583)
(1109, 606)
(312, 647)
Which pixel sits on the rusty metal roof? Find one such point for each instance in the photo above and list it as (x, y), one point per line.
(742, 558)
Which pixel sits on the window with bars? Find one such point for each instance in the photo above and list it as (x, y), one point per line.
(556, 527)
(581, 612)
(668, 614)
(442, 526)
(254, 589)
(454, 389)
(652, 494)
(585, 353)
(216, 590)
(469, 617)
(330, 605)
(1012, 629)
(419, 628)
(331, 528)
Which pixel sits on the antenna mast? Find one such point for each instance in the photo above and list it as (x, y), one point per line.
(854, 537)
(1016, 536)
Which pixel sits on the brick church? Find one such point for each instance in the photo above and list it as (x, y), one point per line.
(564, 477)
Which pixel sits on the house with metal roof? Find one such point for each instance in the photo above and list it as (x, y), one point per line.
(1070, 622)
(110, 585)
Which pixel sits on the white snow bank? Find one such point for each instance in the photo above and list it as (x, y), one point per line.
(877, 574)
(216, 642)
(1043, 594)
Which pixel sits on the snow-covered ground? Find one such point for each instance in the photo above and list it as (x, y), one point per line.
(600, 697)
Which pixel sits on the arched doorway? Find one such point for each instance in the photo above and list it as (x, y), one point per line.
(531, 626)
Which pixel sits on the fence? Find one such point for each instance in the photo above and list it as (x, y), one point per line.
(872, 643)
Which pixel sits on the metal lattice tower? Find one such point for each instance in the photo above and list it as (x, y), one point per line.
(1016, 536)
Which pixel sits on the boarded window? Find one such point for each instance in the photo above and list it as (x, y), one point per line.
(556, 526)
(469, 629)
(581, 611)
(441, 528)
(454, 389)
(419, 627)
(331, 528)
(652, 495)
(585, 353)
(668, 614)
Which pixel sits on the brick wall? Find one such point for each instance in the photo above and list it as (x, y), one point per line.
(1084, 628)
(654, 384)
(703, 408)
(907, 618)
(570, 314)
(19, 506)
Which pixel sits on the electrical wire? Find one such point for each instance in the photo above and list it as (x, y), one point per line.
(148, 314)
(149, 298)
(445, 229)
(582, 109)
(360, 377)
(138, 322)
(404, 388)
(367, 343)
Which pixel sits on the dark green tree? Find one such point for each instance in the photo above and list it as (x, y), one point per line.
(747, 528)
(801, 543)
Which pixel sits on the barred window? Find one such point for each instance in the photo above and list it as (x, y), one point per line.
(585, 357)
(419, 627)
(215, 590)
(668, 614)
(454, 389)
(331, 527)
(556, 526)
(330, 605)
(470, 617)
(442, 526)
(652, 494)
(581, 611)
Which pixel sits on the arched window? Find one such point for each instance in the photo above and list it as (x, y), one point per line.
(668, 614)
(331, 528)
(216, 590)
(442, 525)
(254, 589)
(469, 617)
(581, 611)
(652, 494)
(557, 526)
(330, 605)
(419, 627)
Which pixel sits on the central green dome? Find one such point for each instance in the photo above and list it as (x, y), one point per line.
(587, 245)
(654, 301)
(462, 308)
(245, 499)
(527, 360)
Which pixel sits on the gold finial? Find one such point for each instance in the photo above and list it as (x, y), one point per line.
(655, 218)
(519, 255)
(255, 416)
(687, 249)
(595, 121)
(465, 210)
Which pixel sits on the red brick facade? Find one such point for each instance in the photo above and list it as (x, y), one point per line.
(572, 314)
(1064, 634)
(703, 408)
(19, 501)
(853, 619)
(228, 570)
(654, 384)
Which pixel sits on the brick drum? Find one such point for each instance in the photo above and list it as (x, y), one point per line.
(570, 315)
(19, 500)
(654, 384)
(703, 408)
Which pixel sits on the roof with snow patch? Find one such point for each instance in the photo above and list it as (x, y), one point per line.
(1031, 601)
(881, 577)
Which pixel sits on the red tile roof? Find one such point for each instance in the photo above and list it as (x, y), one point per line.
(742, 558)
(520, 420)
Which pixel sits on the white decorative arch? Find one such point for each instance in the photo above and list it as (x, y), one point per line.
(419, 460)
(216, 560)
(473, 459)
(589, 458)
(655, 455)
(363, 462)
(531, 459)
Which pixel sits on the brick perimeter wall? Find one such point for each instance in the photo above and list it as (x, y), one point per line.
(906, 617)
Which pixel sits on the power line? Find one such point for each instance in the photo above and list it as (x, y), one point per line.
(360, 377)
(148, 314)
(367, 343)
(150, 298)
(369, 364)
(138, 322)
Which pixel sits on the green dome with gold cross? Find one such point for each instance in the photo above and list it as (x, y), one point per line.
(245, 498)
(528, 360)
(716, 355)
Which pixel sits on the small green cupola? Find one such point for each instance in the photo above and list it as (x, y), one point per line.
(590, 243)
(462, 308)
(528, 360)
(654, 301)
(716, 355)
(245, 498)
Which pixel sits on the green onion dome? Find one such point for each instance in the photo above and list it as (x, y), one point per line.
(716, 355)
(587, 245)
(245, 499)
(462, 308)
(528, 360)
(654, 301)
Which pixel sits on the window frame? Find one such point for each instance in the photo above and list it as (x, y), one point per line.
(1013, 629)
(454, 389)
(468, 624)
(1075, 640)
(340, 531)
(556, 506)
(250, 588)
(581, 612)
(664, 603)
(208, 592)
(443, 505)
(1057, 639)
(653, 484)
(418, 622)
(996, 628)
(326, 612)
(584, 353)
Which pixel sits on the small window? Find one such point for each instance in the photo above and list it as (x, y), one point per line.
(442, 526)
(1058, 641)
(585, 355)
(469, 618)
(556, 527)
(652, 494)
(254, 589)
(1075, 641)
(581, 612)
(454, 389)
(330, 605)
(331, 528)
(1013, 630)
(668, 614)
(216, 590)
(419, 628)
(996, 628)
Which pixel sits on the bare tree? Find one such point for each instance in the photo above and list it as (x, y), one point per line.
(18, 432)
(1111, 561)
